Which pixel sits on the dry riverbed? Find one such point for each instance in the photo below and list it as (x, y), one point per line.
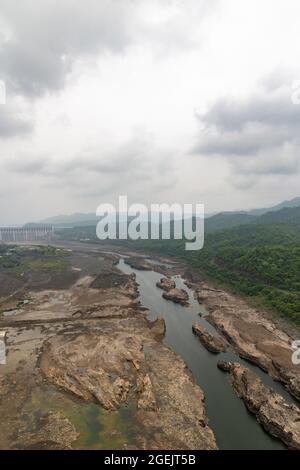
(85, 368)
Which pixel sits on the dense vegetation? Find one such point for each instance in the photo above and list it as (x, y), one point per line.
(260, 259)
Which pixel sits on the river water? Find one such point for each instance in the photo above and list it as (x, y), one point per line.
(233, 425)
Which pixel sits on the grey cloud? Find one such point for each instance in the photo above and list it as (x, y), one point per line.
(14, 121)
(253, 139)
(46, 38)
(27, 164)
(273, 109)
(259, 136)
(93, 171)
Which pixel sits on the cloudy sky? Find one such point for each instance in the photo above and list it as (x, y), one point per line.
(162, 100)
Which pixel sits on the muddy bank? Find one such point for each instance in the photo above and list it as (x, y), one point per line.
(279, 418)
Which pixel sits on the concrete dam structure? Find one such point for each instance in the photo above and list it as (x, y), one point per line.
(25, 234)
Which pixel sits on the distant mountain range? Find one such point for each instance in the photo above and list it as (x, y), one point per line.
(285, 212)
(213, 222)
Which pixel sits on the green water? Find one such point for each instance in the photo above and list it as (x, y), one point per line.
(97, 428)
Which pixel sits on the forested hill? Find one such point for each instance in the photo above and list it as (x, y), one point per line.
(260, 259)
(233, 219)
(290, 216)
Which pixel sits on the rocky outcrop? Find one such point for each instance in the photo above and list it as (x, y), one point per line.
(277, 417)
(146, 398)
(158, 327)
(225, 366)
(179, 296)
(94, 366)
(166, 284)
(253, 334)
(52, 431)
(212, 343)
(139, 263)
(126, 361)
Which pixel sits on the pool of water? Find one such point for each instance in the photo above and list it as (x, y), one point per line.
(233, 425)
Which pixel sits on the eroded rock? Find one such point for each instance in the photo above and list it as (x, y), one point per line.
(146, 397)
(278, 417)
(212, 343)
(179, 296)
(166, 284)
(253, 335)
(94, 366)
(139, 263)
(127, 361)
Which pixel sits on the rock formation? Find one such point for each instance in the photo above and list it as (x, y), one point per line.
(277, 417)
(166, 284)
(179, 296)
(212, 343)
(126, 361)
(253, 334)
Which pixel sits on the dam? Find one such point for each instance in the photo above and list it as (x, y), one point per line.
(25, 234)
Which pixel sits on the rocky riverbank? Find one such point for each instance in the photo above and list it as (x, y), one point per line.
(279, 418)
(252, 333)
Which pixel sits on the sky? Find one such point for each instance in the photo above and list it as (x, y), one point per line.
(165, 101)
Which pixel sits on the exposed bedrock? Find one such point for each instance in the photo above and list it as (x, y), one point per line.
(126, 361)
(278, 417)
(212, 343)
(253, 334)
(166, 284)
(178, 296)
(139, 263)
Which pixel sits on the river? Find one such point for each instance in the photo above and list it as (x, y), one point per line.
(233, 425)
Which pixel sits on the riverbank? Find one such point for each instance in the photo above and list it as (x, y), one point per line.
(179, 326)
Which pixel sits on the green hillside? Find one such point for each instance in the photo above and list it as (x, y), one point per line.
(260, 260)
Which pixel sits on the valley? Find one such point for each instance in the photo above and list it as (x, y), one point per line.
(97, 358)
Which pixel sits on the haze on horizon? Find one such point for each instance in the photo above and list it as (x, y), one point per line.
(169, 101)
